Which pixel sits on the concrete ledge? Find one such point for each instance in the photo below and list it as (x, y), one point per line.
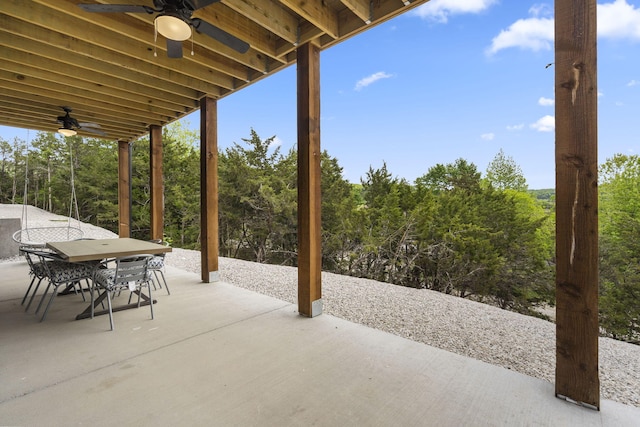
(8, 247)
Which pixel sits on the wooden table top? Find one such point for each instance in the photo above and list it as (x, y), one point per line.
(98, 249)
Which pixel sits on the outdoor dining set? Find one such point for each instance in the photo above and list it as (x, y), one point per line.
(104, 268)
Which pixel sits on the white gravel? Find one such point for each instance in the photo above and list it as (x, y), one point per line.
(521, 343)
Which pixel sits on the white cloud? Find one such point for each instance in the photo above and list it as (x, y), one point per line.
(488, 136)
(440, 10)
(532, 33)
(516, 127)
(362, 83)
(541, 10)
(619, 20)
(544, 124)
(546, 102)
(633, 83)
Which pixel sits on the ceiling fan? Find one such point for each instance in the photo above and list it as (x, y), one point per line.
(70, 126)
(174, 21)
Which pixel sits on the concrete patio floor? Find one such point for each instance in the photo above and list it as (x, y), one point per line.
(218, 355)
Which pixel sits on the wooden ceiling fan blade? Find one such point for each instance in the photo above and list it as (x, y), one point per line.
(91, 130)
(90, 125)
(199, 4)
(174, 48)
(220, 35)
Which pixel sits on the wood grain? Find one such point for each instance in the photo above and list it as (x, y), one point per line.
(576, 202)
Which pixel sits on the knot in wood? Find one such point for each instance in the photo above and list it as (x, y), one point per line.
(575, 161)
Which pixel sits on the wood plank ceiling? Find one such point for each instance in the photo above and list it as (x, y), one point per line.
(102, 65)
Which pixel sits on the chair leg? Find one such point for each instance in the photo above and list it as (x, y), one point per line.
(110, 310)
(92, 299)
(35, 291)
(155, 280)
(75, 286)
(150, 300)
(46, 310)
(44, 295)
(130, 295)
(82, 289)
(163, 279)
(26, 294)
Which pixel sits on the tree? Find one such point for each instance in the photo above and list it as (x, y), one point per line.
(181, 167)
(503, 173)
(48, 162)
(19, 150)
(5, 176)
(339, 236)
(257, 201)
(525, 241)
(460, 175)
(382, 227)
(97, 181)
(620, 247)
(476, 241)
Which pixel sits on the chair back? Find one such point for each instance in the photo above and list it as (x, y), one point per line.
(31, 255)
(35, 259)
(131, 269)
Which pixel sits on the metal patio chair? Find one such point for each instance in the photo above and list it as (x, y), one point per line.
(36, 270)
(156, 266)
(130, 273)
(60, 273)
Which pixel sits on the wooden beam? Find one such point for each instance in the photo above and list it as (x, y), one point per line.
(156, 184)
(360, 8)
(576, 202)
(109, 30)
(209, 189)
(270, 15)
(309, 202)
(21, 41)
(105, 104)
(317, 13)
(124, 189)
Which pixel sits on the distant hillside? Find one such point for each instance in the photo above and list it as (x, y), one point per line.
(546, 196)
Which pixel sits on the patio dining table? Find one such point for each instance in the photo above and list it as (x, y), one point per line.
(99, 249)
(104, 249)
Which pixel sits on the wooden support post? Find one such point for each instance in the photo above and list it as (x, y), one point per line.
(156, 184)
(124, 189)
(309, 201)
(576, 202)
(209, 189)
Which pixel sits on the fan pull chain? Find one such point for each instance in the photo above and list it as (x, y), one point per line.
(192, 43)
(155, 38)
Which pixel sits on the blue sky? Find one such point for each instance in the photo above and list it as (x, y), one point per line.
(451, 79)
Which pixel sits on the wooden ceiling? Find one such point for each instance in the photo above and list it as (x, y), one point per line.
(102, 65)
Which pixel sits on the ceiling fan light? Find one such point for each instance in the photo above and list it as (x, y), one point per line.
(67, 131)
(173, 27)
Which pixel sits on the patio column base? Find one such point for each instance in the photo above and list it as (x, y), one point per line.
(213, 276)
(316, 308)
